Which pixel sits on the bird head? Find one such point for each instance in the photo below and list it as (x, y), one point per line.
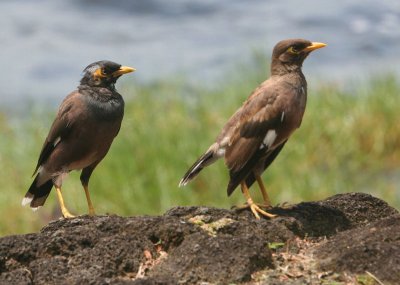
(288, 55)
(103, 73)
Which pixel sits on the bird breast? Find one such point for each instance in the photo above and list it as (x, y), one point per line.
(106, 110)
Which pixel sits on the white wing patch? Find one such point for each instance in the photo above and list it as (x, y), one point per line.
(225, 141)
(221, 152)
(222, 147)
(269, 139)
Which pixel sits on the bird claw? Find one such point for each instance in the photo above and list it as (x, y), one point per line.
(66, 214)
(255, 209)
(246, 206)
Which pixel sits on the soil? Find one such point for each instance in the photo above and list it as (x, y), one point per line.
(350, 238)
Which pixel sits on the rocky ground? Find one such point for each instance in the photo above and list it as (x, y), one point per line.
(346, 239)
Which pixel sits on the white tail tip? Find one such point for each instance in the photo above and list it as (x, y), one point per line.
(26, 201)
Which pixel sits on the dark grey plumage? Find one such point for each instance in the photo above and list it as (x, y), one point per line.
(86, 124)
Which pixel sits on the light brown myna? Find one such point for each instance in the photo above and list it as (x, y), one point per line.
(257, 132)
(86, 124)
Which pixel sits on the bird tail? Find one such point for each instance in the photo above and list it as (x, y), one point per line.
(37, 195)
(205, 160)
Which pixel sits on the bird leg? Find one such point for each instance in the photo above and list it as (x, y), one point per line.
(253, 206)
(66, 214)
(264, 193)
(90, 205)
(85, 176)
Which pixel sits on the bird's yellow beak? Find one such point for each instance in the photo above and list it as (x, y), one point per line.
(123, 70)
(314, 46)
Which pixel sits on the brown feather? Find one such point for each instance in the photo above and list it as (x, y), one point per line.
(60, 127)
(258, 130)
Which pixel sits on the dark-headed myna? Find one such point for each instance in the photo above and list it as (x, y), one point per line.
(86, 124)
(257, 132)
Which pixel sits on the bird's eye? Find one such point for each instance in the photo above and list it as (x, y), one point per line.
(100, 73)
(293, 50)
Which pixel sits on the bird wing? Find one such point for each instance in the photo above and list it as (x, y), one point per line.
(61, 127)
(249, 141)
(258, 115)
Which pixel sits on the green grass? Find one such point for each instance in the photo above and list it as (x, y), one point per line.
(349, 141)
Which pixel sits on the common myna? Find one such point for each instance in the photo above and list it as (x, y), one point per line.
(257, 132)
(86, 124)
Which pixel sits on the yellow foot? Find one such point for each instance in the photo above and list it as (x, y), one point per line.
(90, 205)
(246, 206)
(255, 208)
(66, 214)
(92, 212)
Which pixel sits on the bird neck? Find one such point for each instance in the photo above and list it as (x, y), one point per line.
(100, 89)
(100, 93)
(280, 68)
(111, 87)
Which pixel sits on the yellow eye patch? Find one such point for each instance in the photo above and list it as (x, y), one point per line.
(99, 73)
(293, 50)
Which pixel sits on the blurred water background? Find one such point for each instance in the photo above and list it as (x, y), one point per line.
(45, 44)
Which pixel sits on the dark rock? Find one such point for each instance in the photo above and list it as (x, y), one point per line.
(21, 276)
(190, 245)
(205, 258)
(335, 214)
(374, 248)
